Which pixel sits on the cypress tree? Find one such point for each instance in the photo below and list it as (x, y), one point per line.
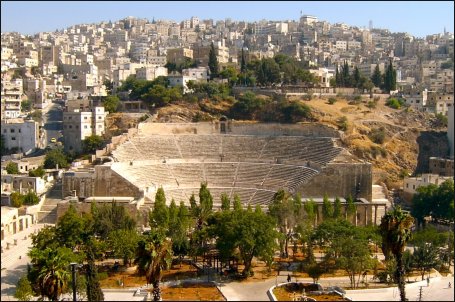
(376, 78)
(213, 62)
(243, 63)
(94, 292)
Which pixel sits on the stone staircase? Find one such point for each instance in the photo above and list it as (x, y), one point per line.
(379, 196)
(48, 211)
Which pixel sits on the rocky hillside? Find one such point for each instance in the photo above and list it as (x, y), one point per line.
(396, 142)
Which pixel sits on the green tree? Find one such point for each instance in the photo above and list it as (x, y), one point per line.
(31, 198)
(55, 157)
(111, 103)
(242, 62)
(17, 199)
(246, 106)
(124, 244)
(26, 106)
(315, 271)
(38, 172)
(153, 255)
(225, 202)
(213, 62)
(350, 208)
(282, 210)
(72, 230)
(395, 229)
(52, 268)
(390, 78)
(12, 168)
(159, 217)
(92, 143)
(24, 291)
(94, 292)
(355, 258)
(311, 209)
(110, 217)
(425, 257)
(327, 208)
(376, 77)
(337, 208)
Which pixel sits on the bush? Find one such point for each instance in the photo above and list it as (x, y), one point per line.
(371, 104)
(332, 101)
(38, 172)
(17, 199)
(395, 103)
(31, 199)
(377, 135)
(342, 123)
(12, 168)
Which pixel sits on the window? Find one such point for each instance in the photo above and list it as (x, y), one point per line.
(13, 138)
(19, 130)
(85, 117)
(100, 126)
(85, 126)
(70, 126)
(99, 117)
(12, 130)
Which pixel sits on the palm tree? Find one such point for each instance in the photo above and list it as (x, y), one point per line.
(395, 230)
(153, 255)
(52, 266)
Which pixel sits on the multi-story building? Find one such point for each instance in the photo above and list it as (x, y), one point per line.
(441, 166)
(450, 132)
(20, 135)
(78, 125)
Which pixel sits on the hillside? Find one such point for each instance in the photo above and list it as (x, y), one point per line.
(386, 137)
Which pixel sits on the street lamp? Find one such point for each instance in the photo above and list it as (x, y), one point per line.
(73, 271)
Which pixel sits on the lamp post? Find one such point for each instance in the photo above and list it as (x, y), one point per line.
(73, 271)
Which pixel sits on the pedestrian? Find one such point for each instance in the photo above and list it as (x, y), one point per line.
(289, 277)
(450, 285)
(428, 281)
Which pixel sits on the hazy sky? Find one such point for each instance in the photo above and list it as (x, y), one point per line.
(419, 18)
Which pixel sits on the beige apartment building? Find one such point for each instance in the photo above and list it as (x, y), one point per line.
(78, 125)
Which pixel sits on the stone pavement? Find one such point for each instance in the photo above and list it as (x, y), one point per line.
(14, 260)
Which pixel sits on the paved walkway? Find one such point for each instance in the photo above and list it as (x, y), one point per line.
(12, 267)
(257, 291)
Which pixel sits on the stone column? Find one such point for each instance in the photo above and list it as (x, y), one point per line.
(366, 215)
(375, 214)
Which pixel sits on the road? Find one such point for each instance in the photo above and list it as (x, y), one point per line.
(53, 122)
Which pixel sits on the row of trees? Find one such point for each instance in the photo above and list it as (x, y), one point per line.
(386, 81)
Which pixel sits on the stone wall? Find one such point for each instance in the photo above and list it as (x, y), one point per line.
(240, 128)
(338, 179)
(109, 183)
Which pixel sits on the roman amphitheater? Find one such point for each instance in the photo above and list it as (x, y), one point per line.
(252, 160)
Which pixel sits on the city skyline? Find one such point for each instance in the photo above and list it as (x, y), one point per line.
(383, 14)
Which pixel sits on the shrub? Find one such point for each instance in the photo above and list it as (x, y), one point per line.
(17, 199)
(30, 198)
(371, 104)
(12, 168)
(377, 135)
(342, 123)
(38, 172)
(395, 103)
(332, 101)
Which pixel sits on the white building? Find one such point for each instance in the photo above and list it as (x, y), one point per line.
(411, 184)
(22, 135)
(78, 125)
